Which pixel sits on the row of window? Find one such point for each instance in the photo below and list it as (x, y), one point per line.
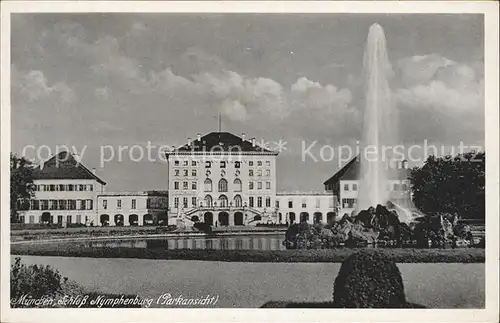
(69, 219)
(395, 187)
(185, 172)
(223, 163)
(238, 202)
(304, 203)
(222, 186)
(150, 204)
(267, 172)
(251, 172)
(185, 185)
(64, 187)
(58, 205)
(349, 203)
(354, 187)
(223, 201)
(251, 200)
(258, 186)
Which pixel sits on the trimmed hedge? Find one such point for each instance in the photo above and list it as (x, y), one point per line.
(369, 280)
(472, 255)
(35, 226)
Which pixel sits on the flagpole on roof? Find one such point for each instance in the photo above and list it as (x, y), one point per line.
(220, 122)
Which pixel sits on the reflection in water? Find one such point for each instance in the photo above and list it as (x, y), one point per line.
(268, 242)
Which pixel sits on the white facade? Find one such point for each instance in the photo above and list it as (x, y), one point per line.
(313, 206)
(63, 201)
(349, 190)
(132, 208)
(222, 186)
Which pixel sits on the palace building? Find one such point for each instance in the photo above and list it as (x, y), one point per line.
(222, 179)
(226, 180)
(219, 178)
(132, 208)
(65, 193)
(345, 185)
(313, 207)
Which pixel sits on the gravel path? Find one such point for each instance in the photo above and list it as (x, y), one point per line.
(252, 284)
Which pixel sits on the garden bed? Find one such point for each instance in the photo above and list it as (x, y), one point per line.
(91, 232)
(466, 255)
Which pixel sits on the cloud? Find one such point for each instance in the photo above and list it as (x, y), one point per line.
(35, 86)
(442, 99)
(315, 95)
(103, 93)
(421, 69)
(440, 95)
(234, 110)
(440, 83)
(112, 64)
(195, 60)
(194, 78)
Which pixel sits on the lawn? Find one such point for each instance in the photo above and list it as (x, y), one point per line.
(253, 284)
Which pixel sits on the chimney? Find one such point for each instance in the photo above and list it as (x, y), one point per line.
(198, 137)
(189, 141)
(243, 136)
(253, 142)
(41, 164)
(94, 171)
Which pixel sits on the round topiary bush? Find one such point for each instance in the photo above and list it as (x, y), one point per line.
(369, 279)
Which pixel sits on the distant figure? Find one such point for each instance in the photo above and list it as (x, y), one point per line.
(216, 224)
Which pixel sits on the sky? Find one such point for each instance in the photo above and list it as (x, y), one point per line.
(96, 82)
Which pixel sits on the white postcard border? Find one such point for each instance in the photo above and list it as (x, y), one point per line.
(490, 313)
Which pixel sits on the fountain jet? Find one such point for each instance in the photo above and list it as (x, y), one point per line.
(379, 124)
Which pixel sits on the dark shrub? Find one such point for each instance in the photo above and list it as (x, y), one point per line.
(291, 236)
(75, 225)
(369, 280)
(204, 227)
(34, 280)
(43, 282)
(34, 226)
(165, 229)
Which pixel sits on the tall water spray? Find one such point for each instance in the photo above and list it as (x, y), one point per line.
(380, 122)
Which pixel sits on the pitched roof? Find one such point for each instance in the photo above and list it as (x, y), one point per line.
(221, 141)
(64, 166)
(350, 171)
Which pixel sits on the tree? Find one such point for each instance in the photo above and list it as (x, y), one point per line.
(21, 185)
(451, 185)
